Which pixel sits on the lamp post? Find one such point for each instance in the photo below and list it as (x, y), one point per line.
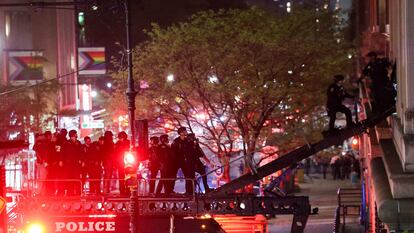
(131, 93)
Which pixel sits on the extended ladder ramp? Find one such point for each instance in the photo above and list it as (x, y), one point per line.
(299, 154)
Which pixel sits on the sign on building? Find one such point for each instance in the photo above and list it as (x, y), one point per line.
(91, 61)
(93, 125)
(24, 66)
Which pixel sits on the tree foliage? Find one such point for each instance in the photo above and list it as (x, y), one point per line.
(26, 109)
(239, 74)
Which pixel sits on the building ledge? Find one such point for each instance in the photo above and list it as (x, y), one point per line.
(396, 213)
(401, 182)
(404, 144)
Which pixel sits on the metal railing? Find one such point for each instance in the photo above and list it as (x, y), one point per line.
(337, 220)
(143, 185)
(60, 187)
(349, 198)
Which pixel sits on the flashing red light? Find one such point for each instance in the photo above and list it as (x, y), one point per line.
(36, 228)
(129, 158)
(354, 141)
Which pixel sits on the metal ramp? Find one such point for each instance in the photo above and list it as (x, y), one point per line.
(300, 153)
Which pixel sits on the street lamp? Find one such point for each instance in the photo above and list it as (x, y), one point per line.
(131, 93)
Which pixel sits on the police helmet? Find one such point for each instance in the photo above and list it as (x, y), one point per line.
(63, 132)
(191, 136)
(123, 135)
(339, 77)
(72, 133)
(154, 139)
(181, 129)
(48, 134)
(108, 134)
(164, 138)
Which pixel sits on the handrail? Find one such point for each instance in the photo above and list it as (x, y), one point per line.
(337, 220)
(347, 199)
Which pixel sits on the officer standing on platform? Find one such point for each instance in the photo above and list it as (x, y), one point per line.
(154, 162)
(92, 165)
(59, 161)
(165, 157)
(336, 94)
(72, 150)
(199, 166)
(108, 158)
(121, 146)
(378, 70)
(185, 160)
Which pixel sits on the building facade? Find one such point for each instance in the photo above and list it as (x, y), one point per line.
(387, 27)
(41, 39)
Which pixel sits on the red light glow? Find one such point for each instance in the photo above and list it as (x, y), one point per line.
(36, 228)
(129, 158)
(354, 141)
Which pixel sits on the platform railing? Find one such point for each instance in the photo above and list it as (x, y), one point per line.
(348, 199)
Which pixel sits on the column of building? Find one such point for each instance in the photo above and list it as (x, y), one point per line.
(402, 36)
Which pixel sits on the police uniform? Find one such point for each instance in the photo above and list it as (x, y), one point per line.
(185, 160)
(336, 94)
(168, 170)
(121, 147)
(154, 165)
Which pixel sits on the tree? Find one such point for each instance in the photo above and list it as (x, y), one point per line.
(26, 109)
(243, 71)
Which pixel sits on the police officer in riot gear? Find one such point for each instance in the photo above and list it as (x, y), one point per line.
(185, 160)
(108, 158)
(199, 166)
(378, 70)
(336, 93)
(91, 165)
(72, 150)
(166, 160)
(121, 146)
(154, 165)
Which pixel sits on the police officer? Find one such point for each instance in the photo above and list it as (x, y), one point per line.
(91, 165)
(199, 166)
(378, 70)
(185, 160)
(121, 146)
(72, 151)
(49, 162)
(154, 162)
(60, 173)
(336, 94)
(108, 158)
(165, 157)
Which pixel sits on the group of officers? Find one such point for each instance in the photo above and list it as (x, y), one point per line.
(64, 164)
(382, 76)
(184, 153)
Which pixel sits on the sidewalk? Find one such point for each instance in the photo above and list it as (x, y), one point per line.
(322, 194)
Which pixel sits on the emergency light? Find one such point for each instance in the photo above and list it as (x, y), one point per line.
(36, 228)
(131, 168)
(129, 158)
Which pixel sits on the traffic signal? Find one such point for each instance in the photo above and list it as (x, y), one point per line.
(131, 168)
